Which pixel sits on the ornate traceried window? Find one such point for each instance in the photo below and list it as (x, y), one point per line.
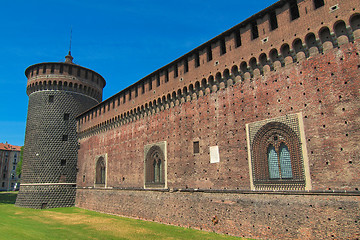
(100, 172)
(155, 167)
(276, 158)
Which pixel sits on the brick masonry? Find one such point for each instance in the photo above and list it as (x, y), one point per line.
(308, 66)
(56, 96)
(324, 88)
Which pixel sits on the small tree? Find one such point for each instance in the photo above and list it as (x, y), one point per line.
(19, 165)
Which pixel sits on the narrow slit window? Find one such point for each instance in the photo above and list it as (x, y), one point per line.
(51, 98)
(62, 162)
(61, 69)
(52, 68)
(186, 65)
(222, 47)
(150, 83)
(237, 38)
(318, 3)
(197, 60)
(254, 30)
(44, 69)
(142, 88)
(78, 72)
(294, 10)
(158, 79)
(209, 53)
(70, 69)
(136, 91)
(176, 72)
(166, 76)
(273, 21)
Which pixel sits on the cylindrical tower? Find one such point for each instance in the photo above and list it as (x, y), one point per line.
(58, 92)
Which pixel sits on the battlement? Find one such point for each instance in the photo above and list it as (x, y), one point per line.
(64, 76)
(285, 33)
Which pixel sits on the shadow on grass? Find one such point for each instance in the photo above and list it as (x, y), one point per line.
(7, 197)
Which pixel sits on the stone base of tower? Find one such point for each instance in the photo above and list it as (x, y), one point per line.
(46, 195)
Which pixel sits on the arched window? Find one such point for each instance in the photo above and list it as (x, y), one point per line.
(154, 167)
(279, 162)
(276, 158)
(100, 171)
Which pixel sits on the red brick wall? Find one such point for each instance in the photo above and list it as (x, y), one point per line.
(259, 216)
(331, 130)
(324, 87)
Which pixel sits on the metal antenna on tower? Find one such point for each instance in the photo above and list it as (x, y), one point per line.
(69, 58)
(70, 40)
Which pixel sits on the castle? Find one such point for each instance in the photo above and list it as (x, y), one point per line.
(254, 133)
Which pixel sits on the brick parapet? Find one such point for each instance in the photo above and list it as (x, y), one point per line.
(300, 39)
(65, 77)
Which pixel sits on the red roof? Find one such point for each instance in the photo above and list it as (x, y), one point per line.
(9, 147)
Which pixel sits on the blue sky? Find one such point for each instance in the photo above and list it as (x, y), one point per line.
(123, 40)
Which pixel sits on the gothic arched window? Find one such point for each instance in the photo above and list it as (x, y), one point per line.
(154, 167)
(277, 158)
(100, 171)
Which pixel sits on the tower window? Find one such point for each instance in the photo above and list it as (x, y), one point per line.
(150, 83)
(294, 10)
(166, 76)
(254, 31)
(318, 3)
(222, 47)
(51, 98)
(273, 20)
(70, 69)
(186, 65)
(65, 138)
(142, 88)
(62, 162)
(158, 79)
(61, 69)
(52, 68)
(237, 38)
(176, 72)
(197, 60)
(78, 72)
(209, 53)
(66, 116)
(44, 69)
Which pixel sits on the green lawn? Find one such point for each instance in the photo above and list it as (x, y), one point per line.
(76, 223)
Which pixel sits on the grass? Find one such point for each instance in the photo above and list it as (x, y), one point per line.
(76, 223)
